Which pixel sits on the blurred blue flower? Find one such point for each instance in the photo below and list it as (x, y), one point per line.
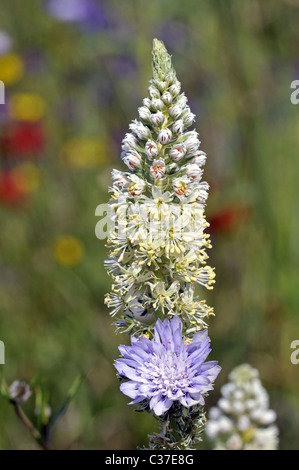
(89, 14)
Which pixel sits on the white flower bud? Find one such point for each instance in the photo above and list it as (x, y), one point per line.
(199, 158)
(212, 429)
(157, 169)
(157, 119)
(178, 127)
(144, 113)
(167, 98)
(165, 136)
(193, 171)
(19, 391)
(161, 85)
(203, 194)
(120, 179)
(151, 149)
(132, 160)
(177, 152)
(243, 423)
(188, 118)
(175, 111)
(182, 100)
(256, 414)
(234, 442)
(140, 130)
(192, 142)
(224, 405)
(129, 142)
(157, 104)
(147, 102)
(228, 388)
(268, 417)
(175, 89)
(238, 406)
(153, 92)
(238, 394)
(214, 413)
(250, 404)
(225, 424)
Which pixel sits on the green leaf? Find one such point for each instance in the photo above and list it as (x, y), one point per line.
(71, 394)
(34, 381)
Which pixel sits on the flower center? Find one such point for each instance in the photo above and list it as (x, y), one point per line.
(181, 188)
(169, 373)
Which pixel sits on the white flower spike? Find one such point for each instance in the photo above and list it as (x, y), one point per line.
(158, 242)
(242, 419)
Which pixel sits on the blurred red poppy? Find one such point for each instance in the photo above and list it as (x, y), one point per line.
(227, 219)
(22, 140)
(11, 193)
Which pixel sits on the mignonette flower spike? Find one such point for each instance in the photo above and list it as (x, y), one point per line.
(159, 239)
(157, 256)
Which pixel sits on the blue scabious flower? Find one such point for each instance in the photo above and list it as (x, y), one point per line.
(88, 13)
(166, 370)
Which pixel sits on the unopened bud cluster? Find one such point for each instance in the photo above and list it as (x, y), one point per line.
(242, 419)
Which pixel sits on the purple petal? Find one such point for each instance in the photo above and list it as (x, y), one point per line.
(187, 401)
(199, 356)
(127, 371)
(163, 331)
(160, 404)
(130, 389)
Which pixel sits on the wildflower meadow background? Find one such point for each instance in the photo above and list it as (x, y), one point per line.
(75, 72)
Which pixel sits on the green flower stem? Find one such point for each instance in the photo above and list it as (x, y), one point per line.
(40, 439)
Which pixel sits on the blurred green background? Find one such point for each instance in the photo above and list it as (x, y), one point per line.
(75, 72)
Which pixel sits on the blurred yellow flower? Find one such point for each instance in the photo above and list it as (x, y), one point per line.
(68, 250)
(26, 107)
(11, 68)
(26, 176)
(84, 153)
